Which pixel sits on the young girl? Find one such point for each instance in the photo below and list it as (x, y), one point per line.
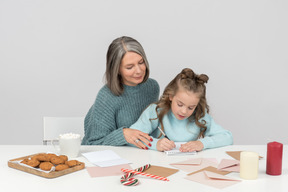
(182, 114)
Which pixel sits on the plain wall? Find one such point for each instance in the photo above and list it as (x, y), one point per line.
(52, 56)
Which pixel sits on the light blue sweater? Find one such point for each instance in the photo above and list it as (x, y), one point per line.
(109, 114)
(182, 130)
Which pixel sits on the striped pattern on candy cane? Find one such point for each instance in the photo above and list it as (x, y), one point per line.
(128, 181)
(145, 174)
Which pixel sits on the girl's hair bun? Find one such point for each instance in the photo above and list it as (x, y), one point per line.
(202, 78)
(189, 74)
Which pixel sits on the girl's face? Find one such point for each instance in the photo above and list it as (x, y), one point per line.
(132, 69)
(183, 103)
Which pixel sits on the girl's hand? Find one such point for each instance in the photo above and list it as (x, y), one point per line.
(192, 146)
(165, 144)
(137, 138)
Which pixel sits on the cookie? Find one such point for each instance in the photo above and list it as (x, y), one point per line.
(46, 166)
(61, 167)
(64, 157)
(33, 162)
(57, 160)
(72, 163)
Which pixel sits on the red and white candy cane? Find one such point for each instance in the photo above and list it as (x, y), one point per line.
(145, 174)
(127, 179)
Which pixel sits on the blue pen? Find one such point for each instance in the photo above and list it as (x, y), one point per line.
(163, 133)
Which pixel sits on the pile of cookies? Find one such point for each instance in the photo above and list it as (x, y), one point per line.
(46, 161)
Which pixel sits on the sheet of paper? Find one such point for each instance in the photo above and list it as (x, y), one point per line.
(107, 171)
(176, 150)
(212, 179)
(105, 158)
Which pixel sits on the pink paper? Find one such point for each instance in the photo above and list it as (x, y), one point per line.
(185, 166)
(107, 171)
(229, 165)
(212, 179)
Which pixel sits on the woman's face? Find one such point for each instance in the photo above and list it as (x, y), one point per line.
(132, 69)
(184, 103)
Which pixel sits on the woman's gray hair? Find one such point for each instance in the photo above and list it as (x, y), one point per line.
(116, 51)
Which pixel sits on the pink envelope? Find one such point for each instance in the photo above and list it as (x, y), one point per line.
(192, 165)
(212, 179)
(192, 161)
(229, 165)
(107, 171)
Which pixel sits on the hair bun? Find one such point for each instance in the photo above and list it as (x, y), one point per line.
(202, 78)
(187, 73)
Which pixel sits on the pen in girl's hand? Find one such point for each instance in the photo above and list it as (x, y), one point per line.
(163, 133)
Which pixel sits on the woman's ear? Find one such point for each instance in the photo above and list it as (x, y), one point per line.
(170, 97)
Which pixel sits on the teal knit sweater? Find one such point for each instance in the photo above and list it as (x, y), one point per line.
(109, 114)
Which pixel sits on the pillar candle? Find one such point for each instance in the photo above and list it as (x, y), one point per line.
(274, 158)
(249, 165)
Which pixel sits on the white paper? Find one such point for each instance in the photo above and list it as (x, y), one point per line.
(176, 151)
(105, 158)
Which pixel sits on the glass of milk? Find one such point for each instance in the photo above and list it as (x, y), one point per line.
(69, 144)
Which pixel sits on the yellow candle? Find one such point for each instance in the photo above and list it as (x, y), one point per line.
(249, 165)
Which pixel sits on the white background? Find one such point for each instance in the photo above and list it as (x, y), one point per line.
(52, 56)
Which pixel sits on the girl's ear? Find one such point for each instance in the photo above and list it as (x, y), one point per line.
(170, 97)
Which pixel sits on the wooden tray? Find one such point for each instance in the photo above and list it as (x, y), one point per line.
(13, 164)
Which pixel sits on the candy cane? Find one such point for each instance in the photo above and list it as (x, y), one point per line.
(145, 174)
(128, 181)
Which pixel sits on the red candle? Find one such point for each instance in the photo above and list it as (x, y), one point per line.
(274, 158)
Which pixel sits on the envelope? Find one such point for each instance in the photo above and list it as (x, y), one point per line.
(192, 165)
(211, 169)
(229, 165)
(160, 171)
(213, 179)
(236, 154)
(107, 171)
(192, 161)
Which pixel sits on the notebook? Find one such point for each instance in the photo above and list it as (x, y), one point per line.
(176, 151)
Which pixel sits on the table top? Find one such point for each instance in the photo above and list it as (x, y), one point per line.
(15, 180)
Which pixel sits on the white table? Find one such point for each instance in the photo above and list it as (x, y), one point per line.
(15, 180)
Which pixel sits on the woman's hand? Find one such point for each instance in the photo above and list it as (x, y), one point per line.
(137, 138)
(165, 144)
(192, 146)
